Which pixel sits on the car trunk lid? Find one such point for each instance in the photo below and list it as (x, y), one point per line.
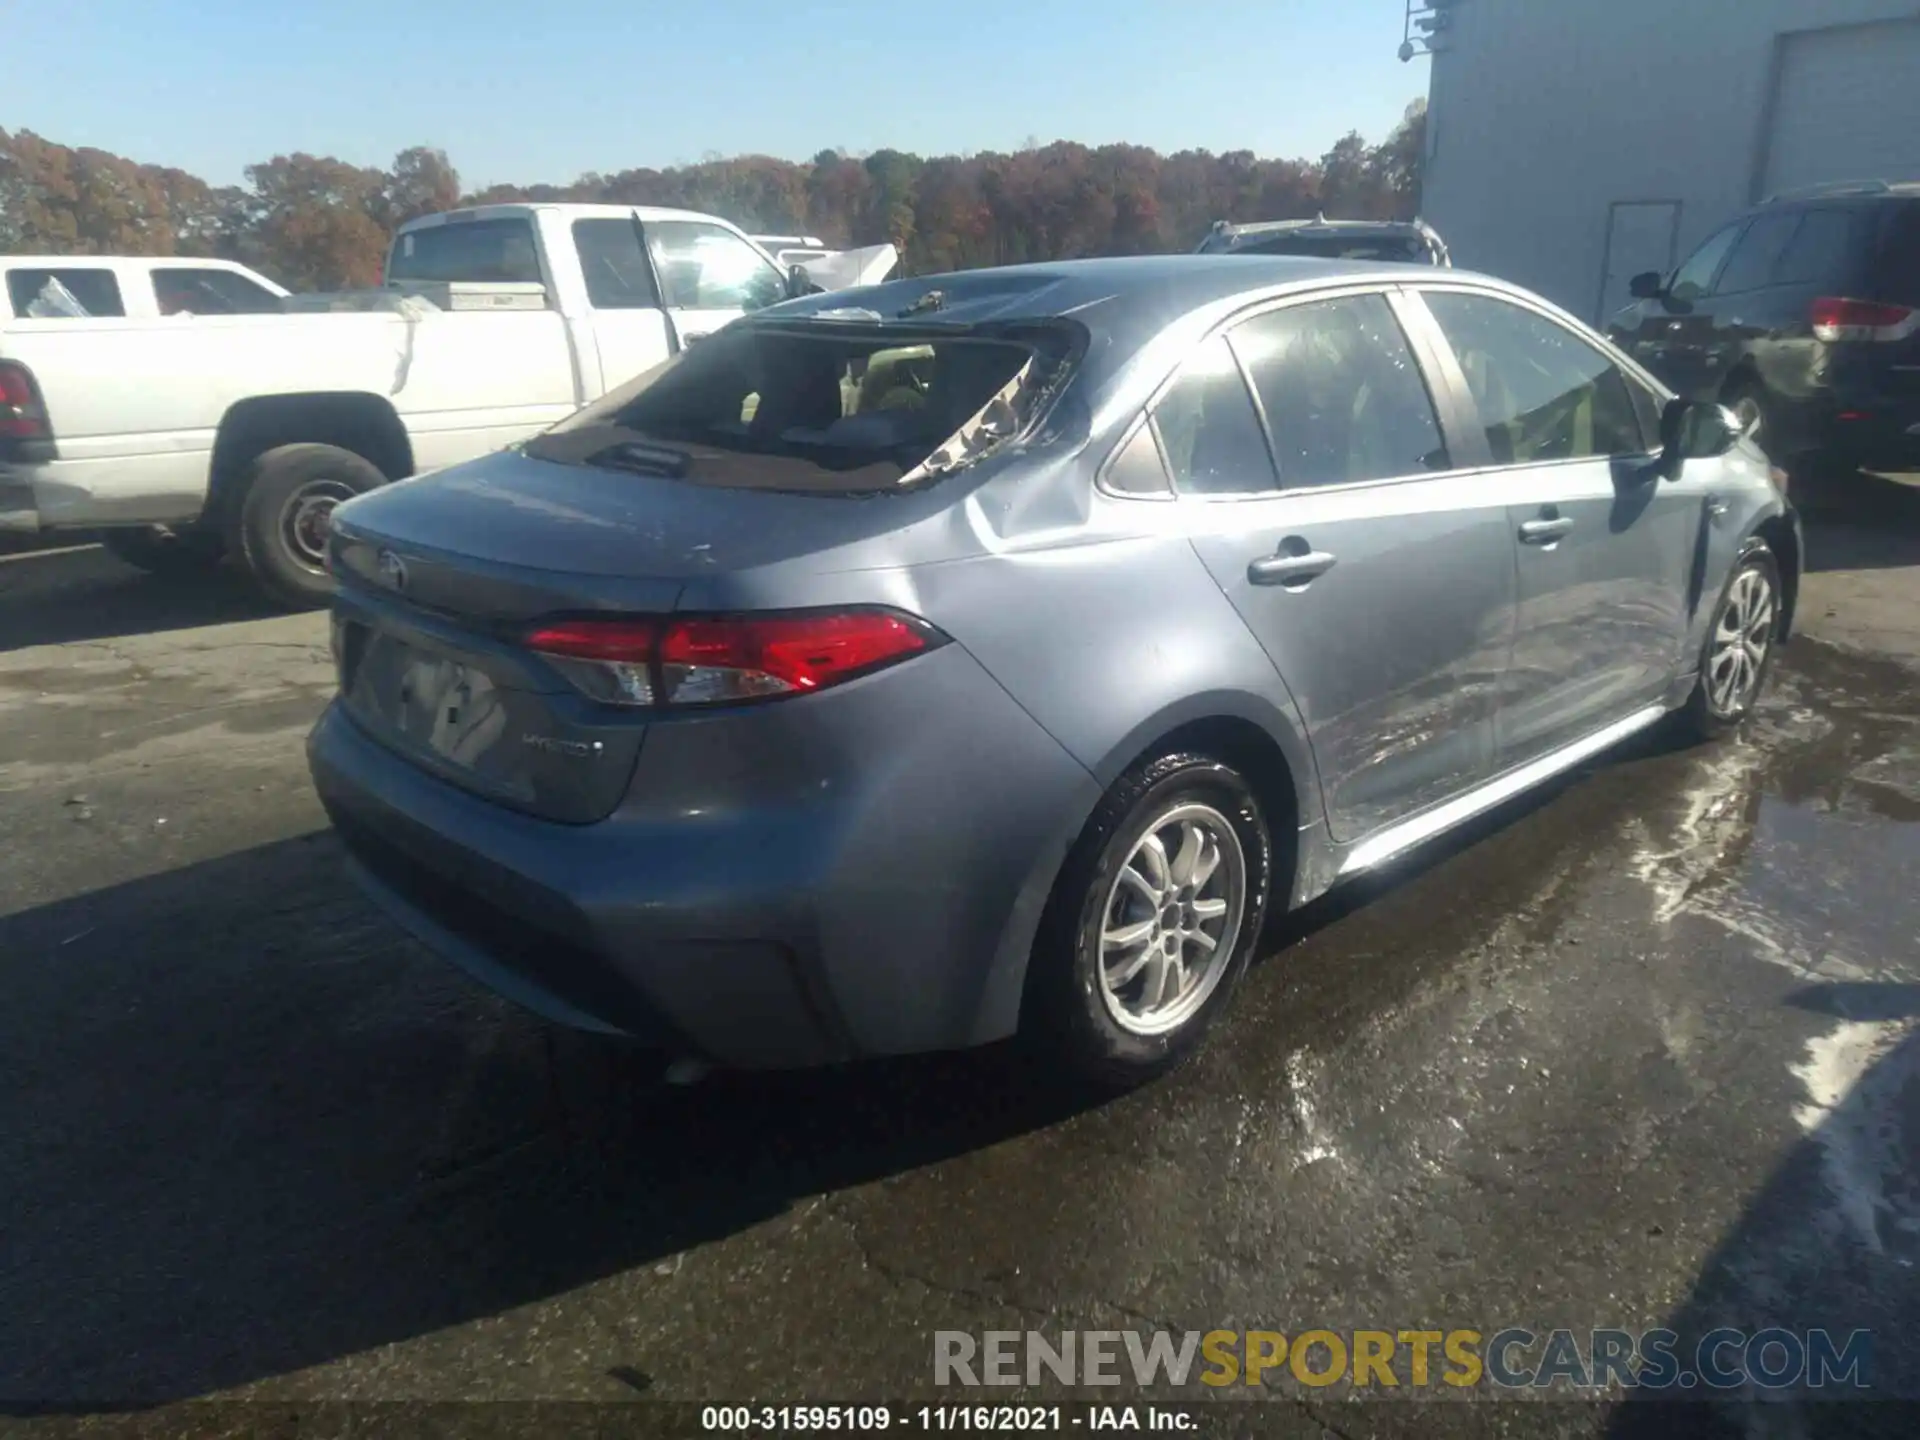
(428, 647)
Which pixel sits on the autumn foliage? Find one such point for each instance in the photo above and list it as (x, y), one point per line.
(316, 223)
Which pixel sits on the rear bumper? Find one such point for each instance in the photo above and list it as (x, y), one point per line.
(854, 873)
(1882, 436)
(76, 494)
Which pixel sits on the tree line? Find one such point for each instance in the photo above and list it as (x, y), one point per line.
(317, 223)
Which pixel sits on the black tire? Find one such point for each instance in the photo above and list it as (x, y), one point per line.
(276, 526)
(1069, 1021)
(162, 550)
(1706, 716)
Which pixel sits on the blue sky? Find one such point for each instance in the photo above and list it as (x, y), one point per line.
(520, 91)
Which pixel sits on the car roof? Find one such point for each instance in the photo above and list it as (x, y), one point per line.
(1847, 192)
(68, 262)
(519, 210)
(1320, 224)
(1103, 293)
(1127, 304)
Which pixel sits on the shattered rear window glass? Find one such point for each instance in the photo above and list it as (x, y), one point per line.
(840, 410)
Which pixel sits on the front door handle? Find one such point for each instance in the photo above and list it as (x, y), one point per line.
(695, 338)
(1545, 532)
(1290, 570)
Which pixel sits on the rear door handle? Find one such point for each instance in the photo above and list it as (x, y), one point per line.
(694, 339)
(1292, 570)
(1545, 532)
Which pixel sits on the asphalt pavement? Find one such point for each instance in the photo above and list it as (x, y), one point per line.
(1639, 1051)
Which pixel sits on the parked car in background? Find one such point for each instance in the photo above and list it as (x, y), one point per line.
(793, 249)
(237, 431)
(1404, 241)
(776, 713)
(1804, 317)
(114, 287)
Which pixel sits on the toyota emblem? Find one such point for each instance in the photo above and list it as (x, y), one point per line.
(393, 570)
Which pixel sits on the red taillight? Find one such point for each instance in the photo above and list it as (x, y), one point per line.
(717, 660)
(629, 640)
(22, 416)
(1835, 319)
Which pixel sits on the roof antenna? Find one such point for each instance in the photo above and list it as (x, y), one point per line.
(932, 300)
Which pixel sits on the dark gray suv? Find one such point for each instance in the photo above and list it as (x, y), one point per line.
(1803, 316)
(904, 667)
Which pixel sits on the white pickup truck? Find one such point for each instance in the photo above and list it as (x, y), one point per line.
(187, 436)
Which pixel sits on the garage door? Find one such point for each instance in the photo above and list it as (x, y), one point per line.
(1847, 107)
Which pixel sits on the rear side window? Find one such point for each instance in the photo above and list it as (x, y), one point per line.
(1896, 262)
(1759, 250)
(823, 412)
(178, 290)
(1208, 429)
(1543, 393)
(618, 274)
(68, 293)
(1344, 400)
(476, 252)
(1136, 468)
(1820, 252)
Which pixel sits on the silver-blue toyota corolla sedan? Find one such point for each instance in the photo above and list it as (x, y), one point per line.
(905, 667)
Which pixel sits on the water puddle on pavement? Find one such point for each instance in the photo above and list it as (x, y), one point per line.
(1803, 835)
(1803, 841)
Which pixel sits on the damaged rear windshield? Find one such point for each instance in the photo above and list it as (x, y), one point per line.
(824, 408)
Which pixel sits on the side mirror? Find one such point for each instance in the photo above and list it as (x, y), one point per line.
(1691, 430)
(1645, 286)
(800, 283)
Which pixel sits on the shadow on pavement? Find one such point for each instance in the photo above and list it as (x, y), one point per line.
(1831, 1242)
(247, 1129)
(1860, 522)
(59, 597)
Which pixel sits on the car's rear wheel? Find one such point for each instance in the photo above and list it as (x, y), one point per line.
(1739, 647)
(164, 550)
(280, 526)
(1152, 922)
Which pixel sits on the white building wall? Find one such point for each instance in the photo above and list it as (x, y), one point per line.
(1544, 113)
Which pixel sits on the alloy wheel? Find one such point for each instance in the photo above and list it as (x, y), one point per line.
(1172, 919)
(1741, 640)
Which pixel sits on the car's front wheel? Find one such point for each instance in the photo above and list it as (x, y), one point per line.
(1739, 647)
(1152, 923)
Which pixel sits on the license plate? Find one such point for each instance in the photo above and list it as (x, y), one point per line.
(438, 704)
